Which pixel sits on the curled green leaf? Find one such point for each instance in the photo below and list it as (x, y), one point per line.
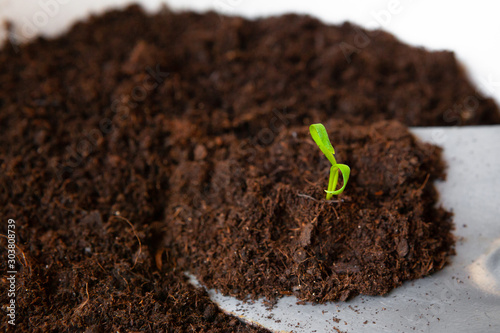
(332, 184)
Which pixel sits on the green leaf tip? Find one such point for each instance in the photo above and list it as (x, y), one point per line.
(320, 136)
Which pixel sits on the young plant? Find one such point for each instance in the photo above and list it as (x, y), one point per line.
(319, 135)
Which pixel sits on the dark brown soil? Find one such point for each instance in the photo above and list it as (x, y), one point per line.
(135, 148)
(254, 223)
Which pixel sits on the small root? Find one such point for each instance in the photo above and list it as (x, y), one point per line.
(307, 197)
(425, 183)
(81, 306)
(135, 234)
(336, 214)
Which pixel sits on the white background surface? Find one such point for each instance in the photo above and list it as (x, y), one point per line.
(469, 28)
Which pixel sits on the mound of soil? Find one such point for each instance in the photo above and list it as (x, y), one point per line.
(253, 222)
(137, 147)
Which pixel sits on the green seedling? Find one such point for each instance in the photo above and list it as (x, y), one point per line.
(319, 135)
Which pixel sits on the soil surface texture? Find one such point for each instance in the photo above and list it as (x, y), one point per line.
(137, 147)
